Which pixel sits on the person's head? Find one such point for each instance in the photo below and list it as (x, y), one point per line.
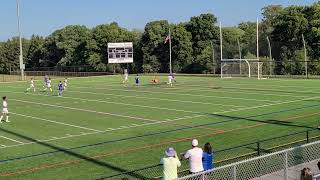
(4, 98)
(170, 152)
(319, 165)
(194, 143)
(207, 148)
(31, 78)
(49, 78)
(59, 81)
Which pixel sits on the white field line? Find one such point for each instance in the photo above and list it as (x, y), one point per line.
(150, 98)
(239, 92)
(112, 102)
(285, 92)
(12, 140)
(153, 123)
(154, 98)
(56, 122)
(181, 94)
(217, 90)
(86, 110)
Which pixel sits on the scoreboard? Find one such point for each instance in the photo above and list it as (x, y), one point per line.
(120, 52)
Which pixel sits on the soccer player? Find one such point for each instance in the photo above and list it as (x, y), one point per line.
(137, 78)
(5, 111)
(170, 78)
(60, 88)
(31, 85)
(48, 85)
(45, 82)
(126, 75)
(65, 84)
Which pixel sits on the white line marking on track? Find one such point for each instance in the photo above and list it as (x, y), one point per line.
(83, 100)
(56, 122)
(181, 94)
(158, 122)
(141, 97)
(12, 139)
(154, 98)
(86, 110)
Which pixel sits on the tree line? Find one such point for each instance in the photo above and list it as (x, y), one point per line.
(193, 44)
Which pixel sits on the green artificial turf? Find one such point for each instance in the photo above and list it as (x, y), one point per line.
(99, 127)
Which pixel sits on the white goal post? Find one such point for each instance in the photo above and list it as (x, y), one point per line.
(241, 68)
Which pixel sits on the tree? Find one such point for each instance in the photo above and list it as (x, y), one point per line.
(34, 53)
(96, 52)
(155, 52)
(203, 30)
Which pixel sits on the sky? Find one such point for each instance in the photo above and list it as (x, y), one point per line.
(42, 17)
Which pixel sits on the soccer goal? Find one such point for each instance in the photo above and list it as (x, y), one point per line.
(251, 68)
(241, 67)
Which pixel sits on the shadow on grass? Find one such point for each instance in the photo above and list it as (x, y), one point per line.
(271, 121)
(77, 155)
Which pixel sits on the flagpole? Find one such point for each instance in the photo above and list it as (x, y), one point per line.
(170, 50)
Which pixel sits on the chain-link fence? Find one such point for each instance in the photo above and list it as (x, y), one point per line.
(228, 156)
(273, 166)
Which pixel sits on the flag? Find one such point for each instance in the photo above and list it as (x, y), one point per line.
(167, 39)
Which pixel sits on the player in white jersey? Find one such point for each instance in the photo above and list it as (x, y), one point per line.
(5, 111)
(31, 85)
(170, 79)
(65, 84)
(48, 85)
(126, 76)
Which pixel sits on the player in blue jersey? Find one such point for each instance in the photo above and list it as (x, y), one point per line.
(60, 88)
(137, 78)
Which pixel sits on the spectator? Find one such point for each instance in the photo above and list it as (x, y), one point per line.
(306, 174)
(194, 156)
(207, 157)
(170, 164)
(318, 178)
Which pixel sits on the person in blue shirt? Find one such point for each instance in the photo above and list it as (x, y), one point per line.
(137, 78)
(207, 157)
(60, 88)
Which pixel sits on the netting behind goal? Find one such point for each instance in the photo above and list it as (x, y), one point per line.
(241, 68)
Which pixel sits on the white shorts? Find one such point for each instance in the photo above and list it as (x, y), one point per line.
(49, 85)
(31, 85)
(5, 110)
(65, 84)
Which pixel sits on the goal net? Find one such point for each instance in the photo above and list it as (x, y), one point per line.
(241, 68)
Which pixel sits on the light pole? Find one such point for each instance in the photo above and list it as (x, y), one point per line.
(270, 54)
(305, 56)
(212, 49)
(240, 55)
(20, 42)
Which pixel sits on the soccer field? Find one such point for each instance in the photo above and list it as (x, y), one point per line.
(99, 127)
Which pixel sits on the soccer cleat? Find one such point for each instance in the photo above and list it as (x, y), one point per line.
(7, 121)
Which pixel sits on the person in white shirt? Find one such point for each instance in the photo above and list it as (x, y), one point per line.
(5, 111)
(31, 85)
(170, 78)
(170, 164)
(48, 85)
(65, 84)
(194, 156)
(126, 76)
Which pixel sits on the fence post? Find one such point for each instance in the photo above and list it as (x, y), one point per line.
(234, 172)
(285, 170)
(307, 136)
(258, 148)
